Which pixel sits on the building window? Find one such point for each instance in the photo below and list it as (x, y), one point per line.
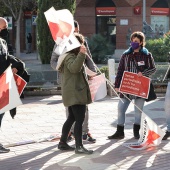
(106, 19)
(160, 18)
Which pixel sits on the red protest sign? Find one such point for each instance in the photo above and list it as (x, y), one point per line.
(97, 87)
(134, 85)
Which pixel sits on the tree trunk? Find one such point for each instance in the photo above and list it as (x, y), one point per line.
(18, 38)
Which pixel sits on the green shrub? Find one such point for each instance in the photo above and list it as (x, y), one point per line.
(100, 47)
(105, 69)
(159, 48)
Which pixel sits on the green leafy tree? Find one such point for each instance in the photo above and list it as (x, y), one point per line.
(45, 42)
(15, 8)
(4, 10)
(100, 48)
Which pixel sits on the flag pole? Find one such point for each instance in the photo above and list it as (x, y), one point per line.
(111, 86)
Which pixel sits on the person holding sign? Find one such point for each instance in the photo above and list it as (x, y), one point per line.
(136, 59)
(88, 62)
(75, 93)
(6, 60)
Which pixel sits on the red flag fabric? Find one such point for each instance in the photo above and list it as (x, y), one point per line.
(60, 29)
(20, 82)
(61, 24)
(9, 96)
(150, 134)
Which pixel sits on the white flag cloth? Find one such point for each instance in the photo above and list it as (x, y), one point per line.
(71, 44)
(61, 24)
(150, 134)
(9, 96)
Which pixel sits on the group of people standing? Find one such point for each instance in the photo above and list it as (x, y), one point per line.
(75, 88)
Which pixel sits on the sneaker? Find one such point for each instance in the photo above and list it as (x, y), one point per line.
(65, 146)
(70, 137)
(89, 138)
(3, 150)
(167, 135)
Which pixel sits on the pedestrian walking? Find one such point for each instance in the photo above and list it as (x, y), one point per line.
(29, 42)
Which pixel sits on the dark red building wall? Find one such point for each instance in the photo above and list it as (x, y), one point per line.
(85, 15)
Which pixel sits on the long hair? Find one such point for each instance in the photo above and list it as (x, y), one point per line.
(80, 38)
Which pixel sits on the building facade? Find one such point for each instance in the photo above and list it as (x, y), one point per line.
(114, 19)
(117, 19)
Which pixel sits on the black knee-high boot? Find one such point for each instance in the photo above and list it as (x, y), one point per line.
(136, 129)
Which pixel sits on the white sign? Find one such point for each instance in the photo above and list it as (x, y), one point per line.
(124, 22)
(9, 20)
(61, 24)
(34, 19)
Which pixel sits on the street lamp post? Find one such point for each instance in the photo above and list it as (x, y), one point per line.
(144, 10)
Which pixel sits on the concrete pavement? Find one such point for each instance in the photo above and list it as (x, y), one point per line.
(44, 116)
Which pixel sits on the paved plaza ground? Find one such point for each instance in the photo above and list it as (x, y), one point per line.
(45, 115)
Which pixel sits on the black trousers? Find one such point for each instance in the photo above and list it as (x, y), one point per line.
(77, 115)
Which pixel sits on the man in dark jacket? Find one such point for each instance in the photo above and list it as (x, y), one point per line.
(29, 42)
(5, 61)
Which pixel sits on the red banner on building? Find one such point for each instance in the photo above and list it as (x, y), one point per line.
(159, 11)
(137, 10)
(105, 11)
(134, 85)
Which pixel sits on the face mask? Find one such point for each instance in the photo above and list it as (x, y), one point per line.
(4, 33)
(135, 45)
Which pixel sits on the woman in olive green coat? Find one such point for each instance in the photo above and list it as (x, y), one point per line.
(75, 94)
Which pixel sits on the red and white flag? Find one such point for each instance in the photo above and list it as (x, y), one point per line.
(61, 24)
(20, 82)
(150, 134)
(9, 96)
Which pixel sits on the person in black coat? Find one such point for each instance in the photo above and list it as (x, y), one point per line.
(6, 60)
(29, 42)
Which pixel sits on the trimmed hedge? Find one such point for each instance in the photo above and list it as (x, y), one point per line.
(159, 48)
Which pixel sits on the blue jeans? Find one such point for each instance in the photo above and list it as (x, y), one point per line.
(167, 107)
(122, 107)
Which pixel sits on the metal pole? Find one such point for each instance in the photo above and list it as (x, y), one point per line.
(144, 10)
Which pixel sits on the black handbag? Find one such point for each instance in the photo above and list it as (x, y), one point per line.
(168, 75)
(26, 76)
(152, 94)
